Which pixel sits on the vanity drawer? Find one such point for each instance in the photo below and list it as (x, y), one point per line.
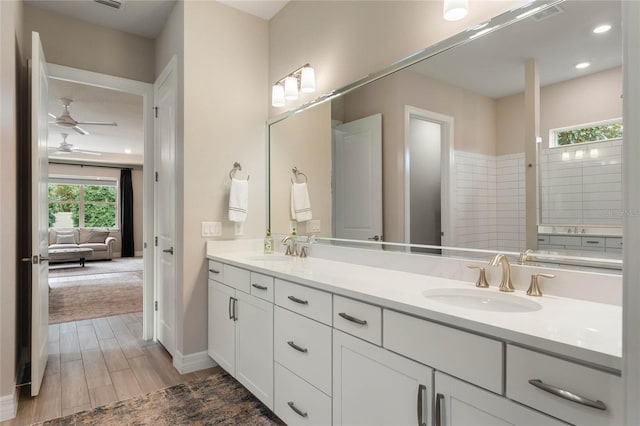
(216, 271)
(262, 286)
(291, 391)
(307, 301)
(543, 239)
(613, 242)
(359, 319)
(524, 365)
(237, 278)
(304, 347)
(565, 240)
(470, 357)
(592, 241)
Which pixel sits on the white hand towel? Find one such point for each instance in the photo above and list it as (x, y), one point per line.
(300, 203)
(238, 200)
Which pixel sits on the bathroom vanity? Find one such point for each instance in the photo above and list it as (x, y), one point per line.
(324, 342)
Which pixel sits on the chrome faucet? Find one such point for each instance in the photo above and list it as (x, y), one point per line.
(505, 284)
(290, 241)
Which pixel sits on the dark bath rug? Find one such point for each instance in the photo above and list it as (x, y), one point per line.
(215, 400)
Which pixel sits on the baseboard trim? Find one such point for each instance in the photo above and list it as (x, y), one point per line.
(192, 362)
(139, 253)
(9, 405)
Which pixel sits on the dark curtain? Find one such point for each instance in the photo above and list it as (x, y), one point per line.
(126, 213)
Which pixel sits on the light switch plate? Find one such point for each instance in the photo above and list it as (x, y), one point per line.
(211, 229)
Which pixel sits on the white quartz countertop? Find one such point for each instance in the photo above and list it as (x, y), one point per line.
(576, 329)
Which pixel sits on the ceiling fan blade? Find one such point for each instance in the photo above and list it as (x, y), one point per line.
(99, 123)
(52, 116)
(80, 130)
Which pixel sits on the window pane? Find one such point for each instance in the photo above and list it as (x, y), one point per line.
(64, 215)
(99, 215)
(64, 192)
(590, 134)
(100, 193)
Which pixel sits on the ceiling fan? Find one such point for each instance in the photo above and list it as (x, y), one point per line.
(67, 148)
(65, 119)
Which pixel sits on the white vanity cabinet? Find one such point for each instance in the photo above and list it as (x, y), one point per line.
(372, 386)
(460, 404)
(240, 334)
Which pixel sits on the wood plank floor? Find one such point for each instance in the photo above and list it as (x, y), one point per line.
(96, 362)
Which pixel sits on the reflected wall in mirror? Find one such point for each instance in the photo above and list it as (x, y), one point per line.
(463, 182)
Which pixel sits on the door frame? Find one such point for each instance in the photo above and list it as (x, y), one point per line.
(145, 90)
(447, 181)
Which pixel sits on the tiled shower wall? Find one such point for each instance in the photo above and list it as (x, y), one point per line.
(489, 201)
(582, 184)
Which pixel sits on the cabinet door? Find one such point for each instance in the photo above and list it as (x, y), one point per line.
(221, 333)
(254, 346)
(461, 404)
(372, 386)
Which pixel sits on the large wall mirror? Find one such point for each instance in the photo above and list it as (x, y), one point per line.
(436, 153)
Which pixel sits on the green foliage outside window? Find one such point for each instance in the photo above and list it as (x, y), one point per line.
(98, 202)
(589, 134)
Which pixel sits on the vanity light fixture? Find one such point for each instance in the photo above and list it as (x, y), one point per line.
(530, 11)
(127, 150)
(593, 153)
(287, 87)
(454, 10)
(565, 156)
(600, 29)
(582, 65)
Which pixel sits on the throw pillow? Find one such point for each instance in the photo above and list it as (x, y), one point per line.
(98, 236)
(65, 239)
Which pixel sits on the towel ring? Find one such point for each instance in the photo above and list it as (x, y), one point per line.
(297, 174)
(236, 167)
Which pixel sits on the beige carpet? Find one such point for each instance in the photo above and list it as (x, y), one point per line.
(74, 298)
(215, 400)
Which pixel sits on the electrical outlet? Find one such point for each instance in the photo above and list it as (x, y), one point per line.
(313, 226)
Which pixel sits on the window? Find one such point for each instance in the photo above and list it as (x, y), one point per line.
(82, 202)
(593, 132)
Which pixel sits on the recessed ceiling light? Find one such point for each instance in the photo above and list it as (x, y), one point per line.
(582, 65)
(127, 151)
(601, 29)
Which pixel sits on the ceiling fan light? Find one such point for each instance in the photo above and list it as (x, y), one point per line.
(308, 80)
(277, 96)
(454, 10)
(291, 88)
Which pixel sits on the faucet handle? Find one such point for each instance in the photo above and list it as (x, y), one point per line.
(534, 287)
(303, 252)
(288, 252)
(482, 278)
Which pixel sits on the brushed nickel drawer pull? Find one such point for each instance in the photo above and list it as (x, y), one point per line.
(213, 271)
(438, 414)
(230, 302)
(297, 348)
(567, 395)
(296, 409)
(300, 301)
(260, 287)
(592, 242)
(422, 389)
(352, 319)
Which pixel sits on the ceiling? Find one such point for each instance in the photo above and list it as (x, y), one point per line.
(92, 103)
(145, 18)
(493, 65)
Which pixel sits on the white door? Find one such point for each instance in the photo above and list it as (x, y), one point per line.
(165, 90)
(358, 179)
(254, 346)
(372, 386)
(461, 404)
(39, 215)
(221, 333)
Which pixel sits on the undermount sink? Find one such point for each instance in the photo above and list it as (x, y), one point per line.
(270, 257)
(481, 300)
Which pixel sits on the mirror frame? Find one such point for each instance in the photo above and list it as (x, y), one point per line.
(496, 23)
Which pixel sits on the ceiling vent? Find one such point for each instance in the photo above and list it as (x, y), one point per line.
(116, 4)
(544, 14)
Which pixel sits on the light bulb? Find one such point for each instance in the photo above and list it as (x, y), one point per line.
(291, 88)
(277, 96)
(455, 10)
(308, 80)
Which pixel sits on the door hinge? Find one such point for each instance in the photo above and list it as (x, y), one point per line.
(156, 176)
(155, 111)
(155, 305)
(155, 241)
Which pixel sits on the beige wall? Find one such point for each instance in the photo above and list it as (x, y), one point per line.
(225, 88)
(68, 41)
(346, 40)
(304, 141)
(113, 173)
(11, 45)
(474, 128)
